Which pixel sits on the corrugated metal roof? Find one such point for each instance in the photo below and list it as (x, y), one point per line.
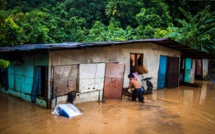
(166, 42)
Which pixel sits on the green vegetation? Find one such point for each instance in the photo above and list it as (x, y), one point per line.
(56, 21)
(4, 63)
(196, 31)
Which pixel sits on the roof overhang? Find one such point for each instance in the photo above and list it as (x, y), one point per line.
(186, 51)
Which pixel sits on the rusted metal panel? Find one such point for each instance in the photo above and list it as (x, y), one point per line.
(114, 81)
(65, 79)
(172, 72)
(114, 70)
(91, 77)
(113, 88)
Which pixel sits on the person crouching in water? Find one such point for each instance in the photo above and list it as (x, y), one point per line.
(138, 91)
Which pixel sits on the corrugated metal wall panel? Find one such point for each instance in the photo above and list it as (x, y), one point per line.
(65, 79)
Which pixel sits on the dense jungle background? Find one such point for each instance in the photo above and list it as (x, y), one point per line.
(55, 21)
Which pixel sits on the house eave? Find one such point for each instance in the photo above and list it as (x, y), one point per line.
(165, 42)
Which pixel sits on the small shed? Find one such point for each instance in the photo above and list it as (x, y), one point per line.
(49, 74)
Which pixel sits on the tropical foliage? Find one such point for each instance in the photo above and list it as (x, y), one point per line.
(56, 21)
(196, 31)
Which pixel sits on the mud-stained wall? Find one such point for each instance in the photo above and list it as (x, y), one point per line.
(204, 68)
(120, 54)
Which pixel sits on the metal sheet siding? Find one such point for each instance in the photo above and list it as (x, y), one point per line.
(113, 88)
(20, 76)
(28, 71)
(18, 83)
(114, 70)
(65, 79)
(114, 81)
(27, 82)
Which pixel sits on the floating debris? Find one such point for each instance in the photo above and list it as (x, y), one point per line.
(67, 110)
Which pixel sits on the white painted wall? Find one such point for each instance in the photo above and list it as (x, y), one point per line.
(192, 72)
(205, 67)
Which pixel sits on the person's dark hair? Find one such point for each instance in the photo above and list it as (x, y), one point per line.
(130, 75)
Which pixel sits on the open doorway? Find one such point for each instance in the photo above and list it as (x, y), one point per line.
(40, 86)
(168, 73)
(198, 69)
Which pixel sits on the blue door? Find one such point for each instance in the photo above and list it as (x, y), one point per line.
(187, 69)
(162, 72)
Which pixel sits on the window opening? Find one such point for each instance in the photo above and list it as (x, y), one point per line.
(136, 63)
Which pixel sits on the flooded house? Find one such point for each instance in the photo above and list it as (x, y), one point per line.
(49, 74)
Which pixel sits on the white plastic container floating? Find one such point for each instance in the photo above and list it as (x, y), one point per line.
(67, 110)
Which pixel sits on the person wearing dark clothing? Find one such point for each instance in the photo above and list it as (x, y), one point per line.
(138, 91)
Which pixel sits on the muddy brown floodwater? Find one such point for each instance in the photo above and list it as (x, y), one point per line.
(182, 110)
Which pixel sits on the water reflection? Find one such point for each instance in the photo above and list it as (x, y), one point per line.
(181, 110)
(203, 93)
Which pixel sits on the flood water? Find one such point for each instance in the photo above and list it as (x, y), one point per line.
(182, 110)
